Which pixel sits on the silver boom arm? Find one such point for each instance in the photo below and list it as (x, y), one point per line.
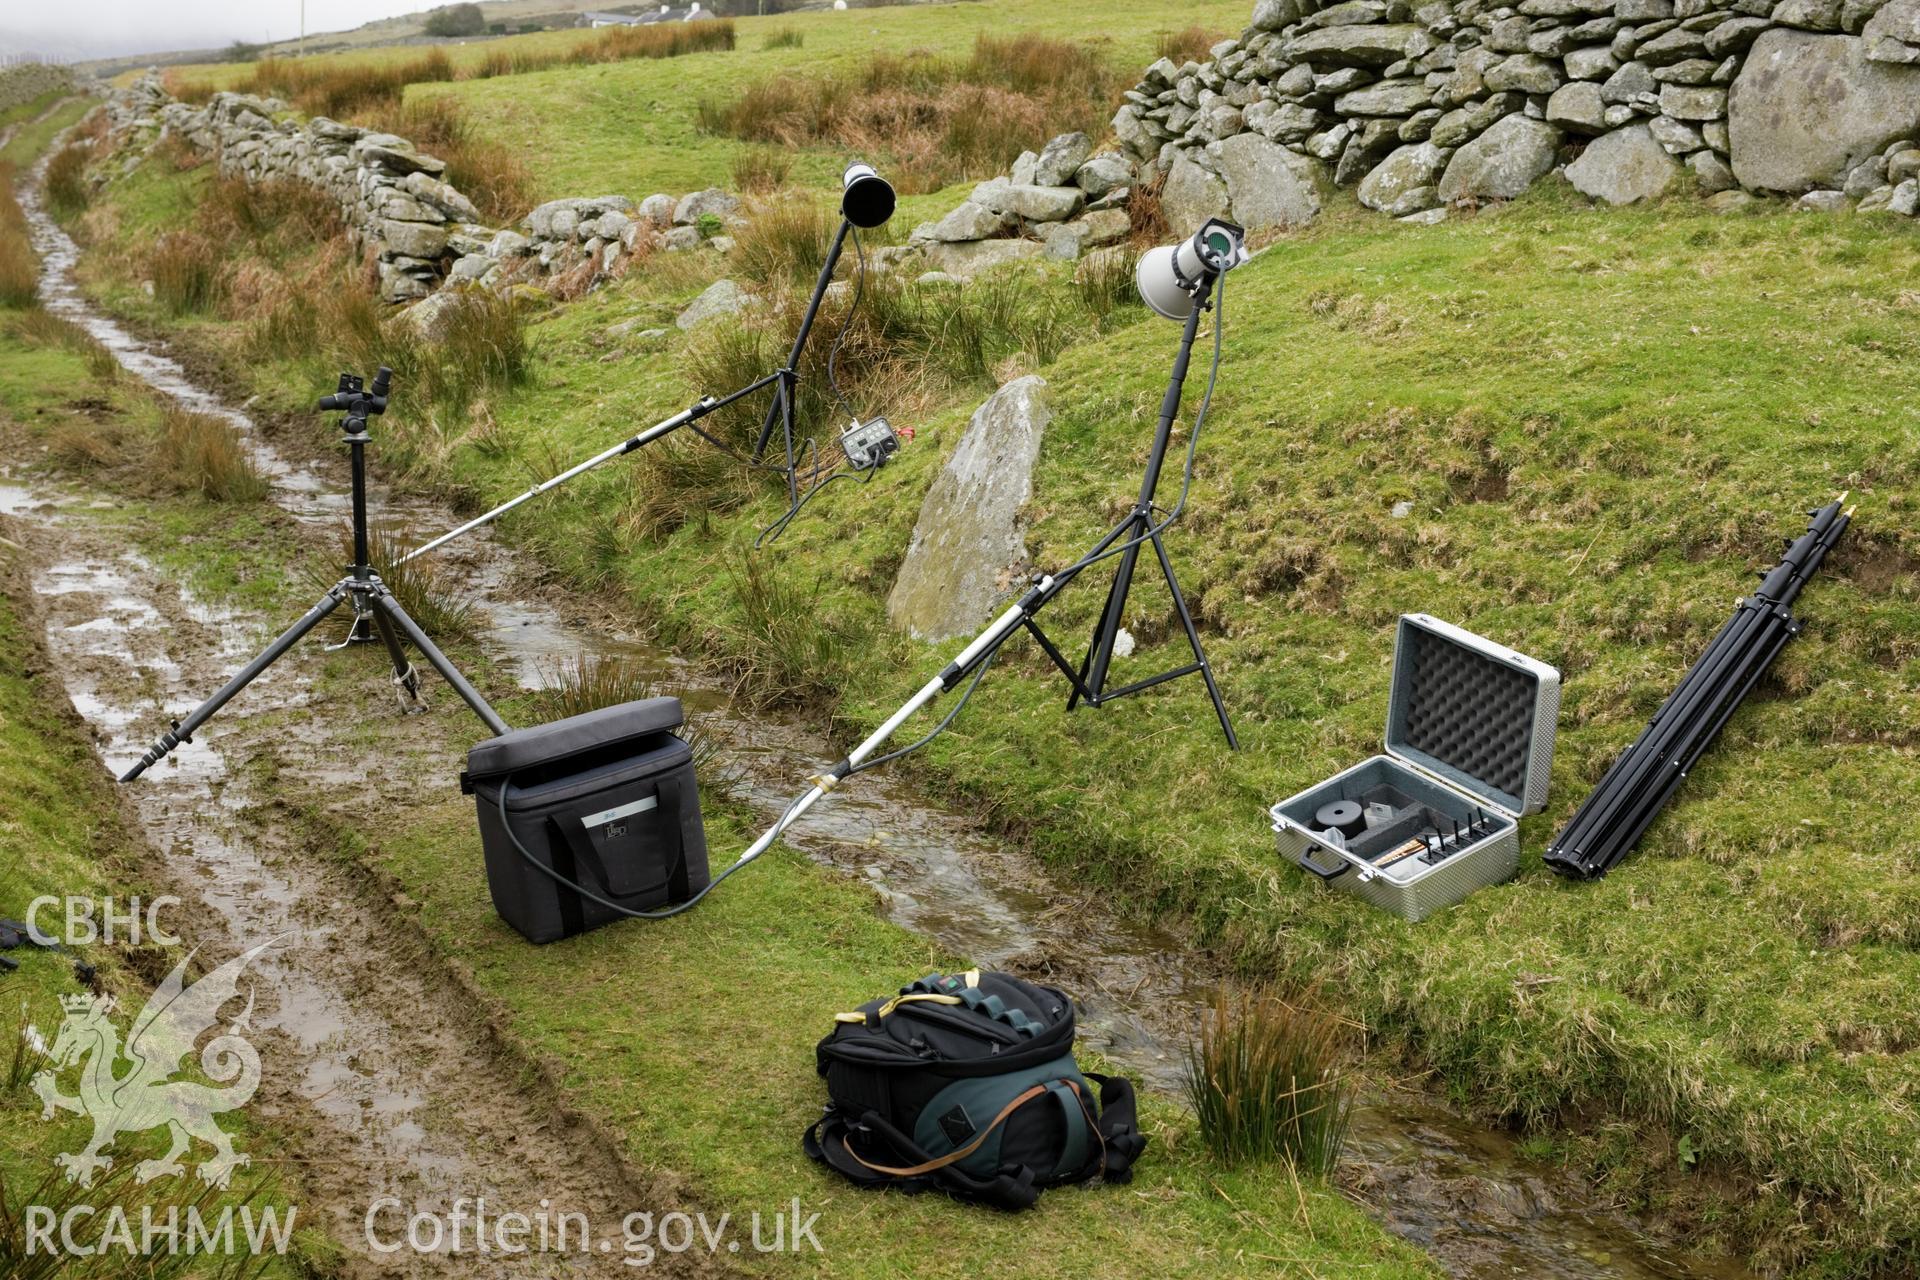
(982, 646)
(700, 409)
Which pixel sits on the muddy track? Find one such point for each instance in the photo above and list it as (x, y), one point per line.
(390, 1080)
(1457, 1189)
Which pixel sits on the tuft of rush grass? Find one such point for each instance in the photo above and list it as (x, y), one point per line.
(1189, 44)
(590, 680)
(758, 170)
(784, 38)
(1266, 1081)
(187, 272)
(203, 455)
(940, 119)
(782, 642)
(19, 269)
(66, 180)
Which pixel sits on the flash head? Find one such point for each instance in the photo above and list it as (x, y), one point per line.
(1169, 276)
(866, 198)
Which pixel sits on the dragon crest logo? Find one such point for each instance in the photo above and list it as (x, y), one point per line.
(146, 1096)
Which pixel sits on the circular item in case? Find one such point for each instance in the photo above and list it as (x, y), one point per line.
(1344, 816)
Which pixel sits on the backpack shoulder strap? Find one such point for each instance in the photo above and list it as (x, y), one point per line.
(833, 1139)
(1118, 1127)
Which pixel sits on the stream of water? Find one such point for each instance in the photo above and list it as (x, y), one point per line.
(1462, 1191)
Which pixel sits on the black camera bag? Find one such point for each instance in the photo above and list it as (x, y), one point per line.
(966, 1083)
(605, 800)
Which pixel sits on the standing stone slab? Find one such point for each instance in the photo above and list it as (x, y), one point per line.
(1191, 196)
(1806, 109)
(970, 536)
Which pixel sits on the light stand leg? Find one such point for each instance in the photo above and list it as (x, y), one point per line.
(1193, 638)
(776, 413)
(183, 730)
(1091, 686)
(384, 604)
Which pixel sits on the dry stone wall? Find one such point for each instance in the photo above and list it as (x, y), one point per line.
(419, 230)
(1420, 106)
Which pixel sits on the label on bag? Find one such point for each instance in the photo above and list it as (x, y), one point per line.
(613, 815)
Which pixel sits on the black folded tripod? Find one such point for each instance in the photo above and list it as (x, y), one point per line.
(361, 586)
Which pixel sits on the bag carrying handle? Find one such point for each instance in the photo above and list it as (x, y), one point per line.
(506, 824)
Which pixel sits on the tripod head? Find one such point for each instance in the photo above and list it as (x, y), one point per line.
(357, 400)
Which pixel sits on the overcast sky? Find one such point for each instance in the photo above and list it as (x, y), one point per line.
(108, 28)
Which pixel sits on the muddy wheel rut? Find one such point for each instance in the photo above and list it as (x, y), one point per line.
(391, 1084)
(415, 1096)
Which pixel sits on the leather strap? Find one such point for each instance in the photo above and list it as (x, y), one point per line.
(953, 1157)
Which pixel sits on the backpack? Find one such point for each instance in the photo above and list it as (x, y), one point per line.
(967, 1084)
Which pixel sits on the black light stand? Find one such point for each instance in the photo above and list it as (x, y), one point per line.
(1138, 530)
(866, 201)
(361, 585)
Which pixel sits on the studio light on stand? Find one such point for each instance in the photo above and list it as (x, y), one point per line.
(866, 201)
(1182, 283)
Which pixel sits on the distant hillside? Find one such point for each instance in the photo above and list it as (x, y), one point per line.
(503, 17)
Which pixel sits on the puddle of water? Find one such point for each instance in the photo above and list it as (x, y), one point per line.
(1463, 1192)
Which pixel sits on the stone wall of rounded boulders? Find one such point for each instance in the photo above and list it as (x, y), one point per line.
(1422, 106)
(419, 231)
(24, 81)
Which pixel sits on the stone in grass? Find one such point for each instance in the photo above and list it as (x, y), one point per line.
(970, 259)
(965, 221)
(1403, 183)
(970, 534)
(1822, 202)
(1502, 162)
(721, 298)
(1733, 200)
(1061, 158)
(1806, 109)
(700, 203)
(1624, 166)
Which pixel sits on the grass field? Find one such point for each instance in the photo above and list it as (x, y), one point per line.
(774, 963)
(631, 128)
(1603, 422)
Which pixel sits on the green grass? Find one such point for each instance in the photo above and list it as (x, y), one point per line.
(33, 134)
(733, 995)
(1603, 421)
(631, 128)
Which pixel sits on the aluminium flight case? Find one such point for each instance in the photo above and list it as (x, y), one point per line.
(1469, 740)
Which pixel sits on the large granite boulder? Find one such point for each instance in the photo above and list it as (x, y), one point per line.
(970, 538)
(1192, 195)
(1502, 162)
(1403, 183)
(1624, 166)
(1267, 185)
(1806, 109)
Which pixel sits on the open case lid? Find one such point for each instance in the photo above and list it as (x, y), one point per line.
(1473, 713)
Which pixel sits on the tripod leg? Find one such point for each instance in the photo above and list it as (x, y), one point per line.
(183, 730)
(1193, 638)
(405, 679)
(1093, 675)
(385, 604)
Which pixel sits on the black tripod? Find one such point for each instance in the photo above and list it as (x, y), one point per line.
(361, 586)
(1138, 530)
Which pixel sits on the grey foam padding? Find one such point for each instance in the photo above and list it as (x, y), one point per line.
(1468, 711)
